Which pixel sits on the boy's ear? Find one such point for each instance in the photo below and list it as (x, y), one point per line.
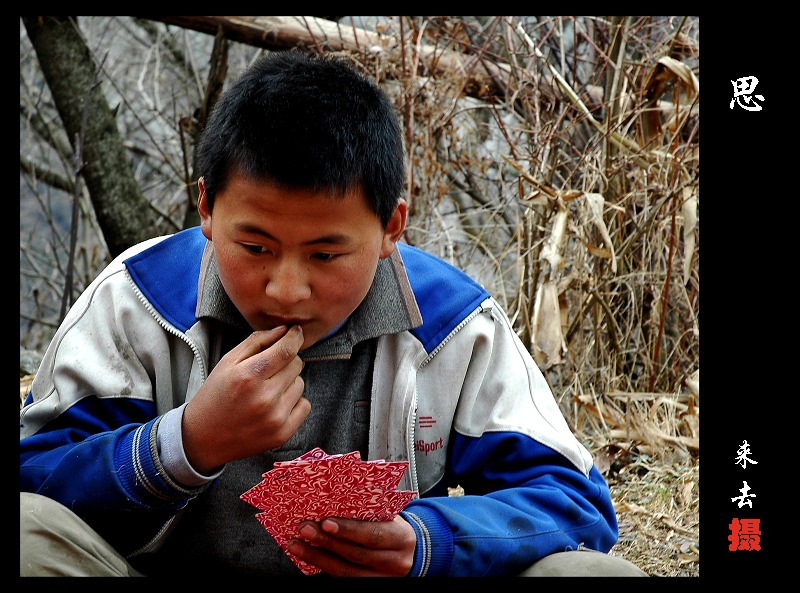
(394, 230)
(203, 210)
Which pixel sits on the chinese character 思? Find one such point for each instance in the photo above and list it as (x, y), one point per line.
(743, 93)
(745, 498)
(745, 535)
(742, 455)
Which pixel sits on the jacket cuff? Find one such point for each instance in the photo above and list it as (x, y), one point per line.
(435, 548)
(169, 438)
(140, 471)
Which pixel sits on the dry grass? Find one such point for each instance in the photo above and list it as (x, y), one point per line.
(24, 385)
(652, 466)
(658, 511)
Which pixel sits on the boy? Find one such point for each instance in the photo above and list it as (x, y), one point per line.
(294, 318)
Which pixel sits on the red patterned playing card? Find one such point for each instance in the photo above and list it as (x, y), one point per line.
(317, 485)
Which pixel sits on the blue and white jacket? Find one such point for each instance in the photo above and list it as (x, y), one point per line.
(458, 396)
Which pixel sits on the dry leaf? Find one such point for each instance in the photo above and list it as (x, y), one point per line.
(689, 224)
(551, 252)
(548, 339)
(667, 70)
(596, 202)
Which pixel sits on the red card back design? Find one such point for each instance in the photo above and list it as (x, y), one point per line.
(317, 485)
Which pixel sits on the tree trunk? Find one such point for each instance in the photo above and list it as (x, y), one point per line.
(122, 211)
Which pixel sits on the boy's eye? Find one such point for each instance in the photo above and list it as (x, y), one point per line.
(257, 249)
(325, 256)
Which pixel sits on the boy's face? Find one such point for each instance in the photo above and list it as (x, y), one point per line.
(295, 257)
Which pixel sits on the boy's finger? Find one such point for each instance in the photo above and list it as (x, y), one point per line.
(258, 341)
(270, 354)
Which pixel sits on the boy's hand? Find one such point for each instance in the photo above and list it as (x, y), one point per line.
(354, 548)
(251, 402)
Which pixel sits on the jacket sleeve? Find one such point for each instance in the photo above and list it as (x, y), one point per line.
(88, 429)
(530, 488)
(517, 508)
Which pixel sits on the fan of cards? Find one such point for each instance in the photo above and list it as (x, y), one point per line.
(317, 485)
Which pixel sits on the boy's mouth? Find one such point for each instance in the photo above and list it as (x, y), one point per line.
(276, 320)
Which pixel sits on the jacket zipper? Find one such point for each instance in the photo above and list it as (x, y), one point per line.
(182, 335)
(169, 327)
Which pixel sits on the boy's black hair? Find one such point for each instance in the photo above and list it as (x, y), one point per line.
(305, 122)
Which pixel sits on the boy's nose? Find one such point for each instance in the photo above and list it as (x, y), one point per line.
(288, 283)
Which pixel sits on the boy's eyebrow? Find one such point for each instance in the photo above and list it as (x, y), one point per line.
(334, 238)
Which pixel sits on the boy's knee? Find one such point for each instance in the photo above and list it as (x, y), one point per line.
(583, 563)
(32, 507)
(54, 541)
(38, 518)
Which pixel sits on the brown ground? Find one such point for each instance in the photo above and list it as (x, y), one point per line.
(650, 458)
(657, 509)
